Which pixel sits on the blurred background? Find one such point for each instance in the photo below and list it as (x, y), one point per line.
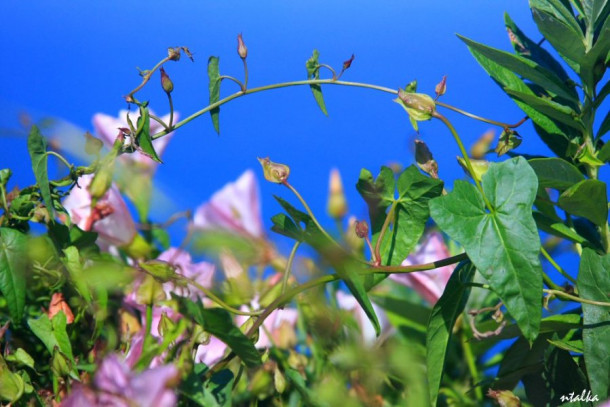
(69, 62)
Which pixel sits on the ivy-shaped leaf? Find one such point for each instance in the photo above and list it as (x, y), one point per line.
(143, 136)
(218, 322)
(594, 284)
(52, 333)
(586, 199)
(13, 262)
(214, 87)
(440, 326)
(503, 244)
(37, 147)
(313, 72)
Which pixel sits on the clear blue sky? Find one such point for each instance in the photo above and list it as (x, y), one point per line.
(72, 60)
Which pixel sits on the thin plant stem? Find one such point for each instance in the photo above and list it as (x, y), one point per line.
(330, 68)
(171, 110)
(565, 295)
(61, 158)
(557, 267)
(289, 265)
(482, 119)
(146, 77)
(158, 120)
(549, 283)
(237, 81)
(417, 267)
(388, 219)
(245, 85)
(472, 365)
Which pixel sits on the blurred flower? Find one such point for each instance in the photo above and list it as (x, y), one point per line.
(235, 208)
(116, 385)
(202, 273)
(337, 204)
(59, 304)
(428, 284)
(107, 128)
(211, 352)
(349, 303)
(277, 329)
(110, 217)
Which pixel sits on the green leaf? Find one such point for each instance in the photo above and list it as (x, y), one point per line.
(554, 110)
(52, 333)
(527, 48)
(378, 194)
(37, 147)
(11, 384)
(22, 357)
(215, 392)
(586, 199)
(440, 326)
(525, 68)
(143, 136)
(570, 346)
(503, 244)
(73, 264)
(214, 87)
(313, 72)
(218, 322)
(592, 10)
(555, 173)
(13, 262)
(403, 313)
(560, 9)
(410, 215)
(551, 324)
(557, 228)
(283, 225)
(604, 153)
(594, 284)
(603, 129)
(521, 359)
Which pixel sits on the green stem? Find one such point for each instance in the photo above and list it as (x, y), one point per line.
(482, 119)
(557, 267)
(61, 158)
(158, 120)
(4, 202)
(237, 81)
(245, 85)
(565, 295)
(171, 110)
(330, 68)
(472, 365)
(146, 78)
(289, 265)
(417, 267)
(458, 140)
(386, 223)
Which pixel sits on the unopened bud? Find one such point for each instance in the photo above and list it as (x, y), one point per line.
(274, 172)
(166, 82)
(188, 53)
(101, 182)
(166, 325)
(58, 304)
(348, 63)
(5, 175)
(509, 140)
(352, 240)
(504, 398)
(93, 145)
(279, 381)
(60, 364)
(482, 145)
(425, 160)
(160, 270)
(41, 215)
(441, 87)
(479, 167)
(419, 106)
(242, 50)
(173, 53)
(337, 205)
(362, 229)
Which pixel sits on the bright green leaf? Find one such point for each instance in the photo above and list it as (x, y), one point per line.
(214, 87)
(143, 136)
(53, 334)
(440, 326)
(570, 346)
(557, 228)
(313, 72)
(218, 322)
(37, 147)
(22, 357)
(283, 225)
(215, 392)
(503, 244)
(594, 284)
(586, 199)
(11, 384)
(13, 262)
(555, 173)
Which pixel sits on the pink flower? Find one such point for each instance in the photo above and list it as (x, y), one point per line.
(235, 208)
(277, 329)
(201, 272)
(107, 127)
(110, 217)
(428, 284)
(116, 385)
(211, 352)
(349, 303)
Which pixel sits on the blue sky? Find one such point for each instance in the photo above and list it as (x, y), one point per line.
(71, 62)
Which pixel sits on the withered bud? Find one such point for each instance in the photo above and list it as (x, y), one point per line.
(242, 50)
(173, 53)
(509, 140)
(348, 63)
(166, 82)
(93, 145)
(58, 304)
(419, 106)
(441, 87)
(337, 204)
(482, 145)
(504, 398)
(274, 172)
(362, 229)
(425, 160)
(188, 53)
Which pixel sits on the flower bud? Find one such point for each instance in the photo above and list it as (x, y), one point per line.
(58, 304)
(93, 145)
(441, 87)
(160, 270)
(5, 175)
(504, 398)
(348, 63)
(279, 381)
(482, 145)
(509, 140)
(274, 172)
(419, 106)
(166, 82)
(173, 53)
(479, 168)
(353, 241)
(242, 50)
(60, 364)
(362, 229)
(425, 160)
(166, 325)
(337, 205)
(101, 181)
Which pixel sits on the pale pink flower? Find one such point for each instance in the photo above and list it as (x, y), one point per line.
(107, 128)
(202, 273)
(428, 284)
(211, 352)
(349, 303)
(235, 208)
(110, 217)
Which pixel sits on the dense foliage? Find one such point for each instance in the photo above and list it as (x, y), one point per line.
(438, 298)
